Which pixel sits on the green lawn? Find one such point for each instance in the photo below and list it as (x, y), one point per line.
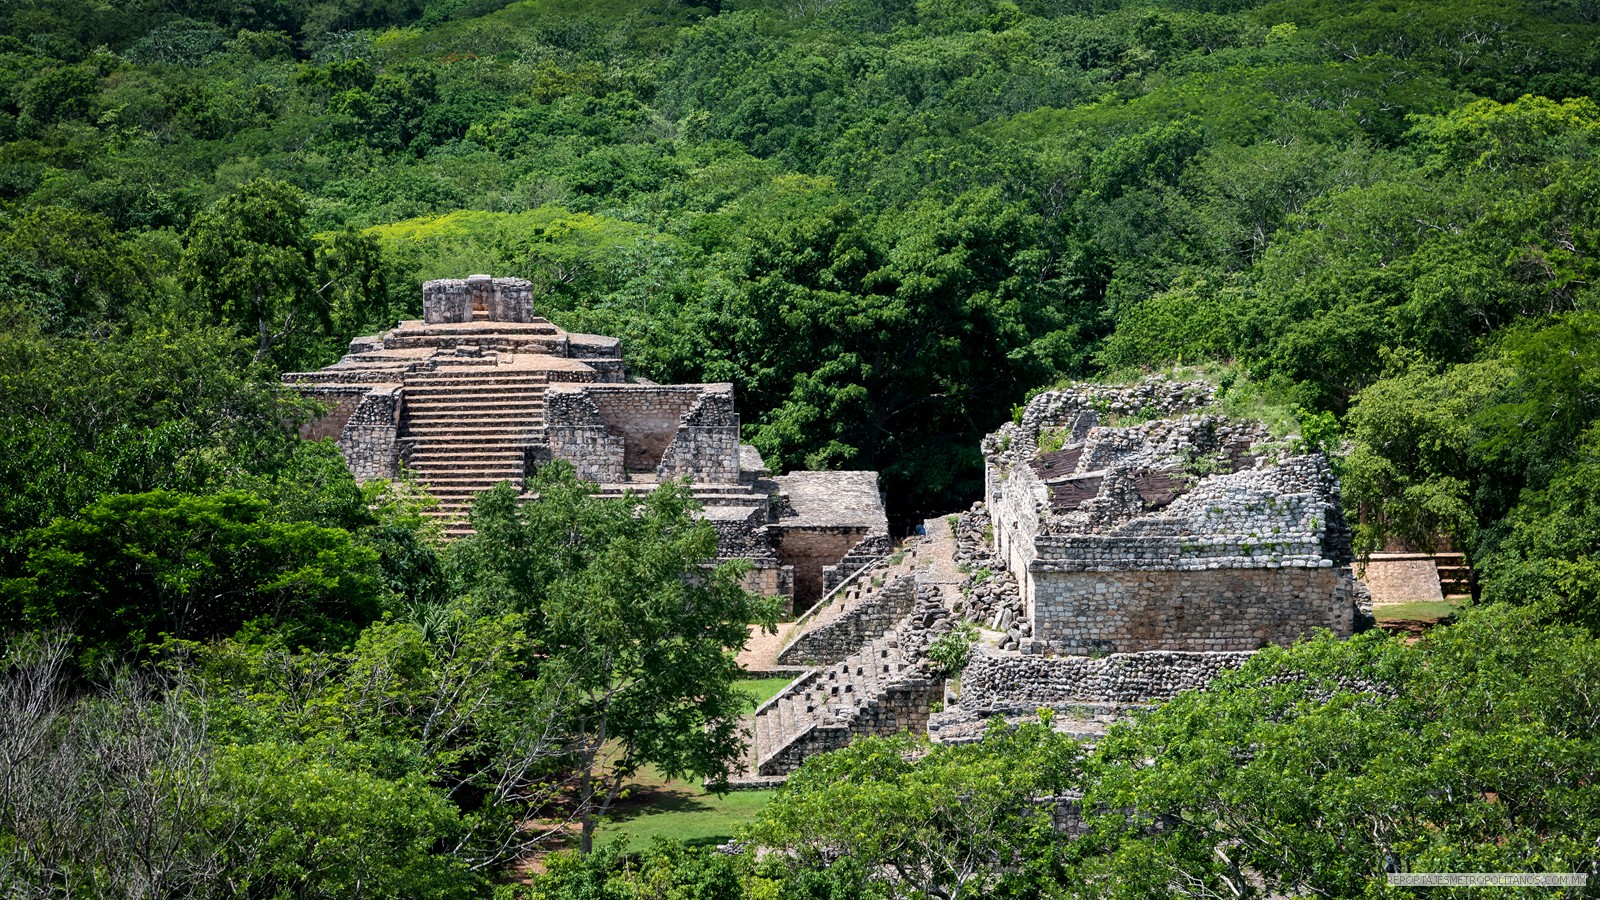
(687, 814)
(763, 688)
(655, 807)
(1419, 611)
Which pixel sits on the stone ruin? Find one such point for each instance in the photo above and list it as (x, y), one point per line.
(482, 390)
(1144, 543)
(1137, 518)
(1133, 543)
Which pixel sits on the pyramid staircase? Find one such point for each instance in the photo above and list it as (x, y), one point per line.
(874, 691)
(869, 684)
(466, 429)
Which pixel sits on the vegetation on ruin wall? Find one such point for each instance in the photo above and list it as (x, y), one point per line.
(884, 222)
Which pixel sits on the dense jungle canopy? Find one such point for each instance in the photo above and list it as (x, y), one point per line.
(886, 223)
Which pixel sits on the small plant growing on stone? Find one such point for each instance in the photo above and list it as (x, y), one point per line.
(1052, 439)
(950, 652)
(1201, 465)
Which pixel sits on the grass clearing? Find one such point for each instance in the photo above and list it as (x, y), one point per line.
(654, 806)
(1417, 611)
(763, 688)
(681, 812)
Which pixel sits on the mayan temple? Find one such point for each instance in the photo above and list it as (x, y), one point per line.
(482, 390)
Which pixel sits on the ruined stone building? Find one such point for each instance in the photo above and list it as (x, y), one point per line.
(482, 390)
(1133, 543)
(1132, 519)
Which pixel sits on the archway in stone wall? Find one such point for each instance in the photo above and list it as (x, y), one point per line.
(808, 549)
(645, 421)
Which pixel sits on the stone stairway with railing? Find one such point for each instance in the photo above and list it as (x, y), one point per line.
(467, 429)
(876, 690)
(870, 676)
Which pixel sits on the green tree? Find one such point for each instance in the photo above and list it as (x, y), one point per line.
(926, 822)
(130, 568)
(636, 624)
(251, 259)
(1318, 768)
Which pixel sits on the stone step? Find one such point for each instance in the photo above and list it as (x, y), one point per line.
(462, 405)
(432, 398)
(460, 494)
(437, 479)
(474, 388)
(447, 441)
(453, 430)
(485, 420)
(445, 465)
(467, 376)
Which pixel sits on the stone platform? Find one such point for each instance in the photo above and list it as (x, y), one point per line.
(482, 390)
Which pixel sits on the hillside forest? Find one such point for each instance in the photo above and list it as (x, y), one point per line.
(230, 671)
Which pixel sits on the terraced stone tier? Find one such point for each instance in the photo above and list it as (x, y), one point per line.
(468, 429)
(875, 691)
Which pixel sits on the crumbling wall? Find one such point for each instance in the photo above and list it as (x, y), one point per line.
(870, 617)
(453, 300)
(811, 548)
(576, 433)
(705, 447)
(370, 437)
(1149, 523)
(645, 418)
(608, 431)
(342, 401)
(996, 682)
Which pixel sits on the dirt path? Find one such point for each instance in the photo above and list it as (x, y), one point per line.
(938, 554)
(761, 653)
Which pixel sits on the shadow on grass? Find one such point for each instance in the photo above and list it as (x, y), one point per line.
(657, 804)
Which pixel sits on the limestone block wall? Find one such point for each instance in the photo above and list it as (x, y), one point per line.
(706, 446)
(1215, 609)
(342, 401)
(1016, 500)
(646, 418)
(705, 455)
(875, 546)
(446, 300)
(370, 437)
(610, 430)
(904, 706)
(449, 300)
(811, 548)
(592, 450)
(602, 354)
(837, 639)
(1402, 578)
(576, 432)
(510, 300)
(998, 681)
(767, 578)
